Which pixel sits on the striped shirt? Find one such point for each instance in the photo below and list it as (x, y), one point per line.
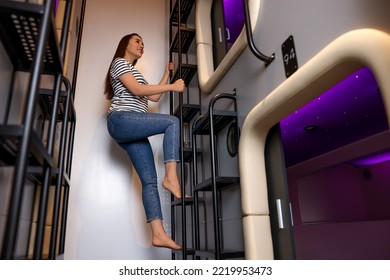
(123, 99)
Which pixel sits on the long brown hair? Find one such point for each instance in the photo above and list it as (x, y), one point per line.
(120, 52)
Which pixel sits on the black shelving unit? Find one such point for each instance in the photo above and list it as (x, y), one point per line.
(185, 40)
(181, 39)
(195, 124)
(185, 72)
(29, 36)
(211, 124)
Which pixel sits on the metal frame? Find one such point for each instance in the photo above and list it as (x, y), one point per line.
(249, 35)
(27, 141)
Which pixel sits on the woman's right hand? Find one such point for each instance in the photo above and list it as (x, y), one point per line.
(179, 85)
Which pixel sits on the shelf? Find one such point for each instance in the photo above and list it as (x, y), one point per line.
(189, 252)
(19, 30)
(189, 112)
(187, 73)
(223, 254)
(188, 154)
(187, 36)
(178, 202)
(46, 104)
(34, 174)
(10, 136)
(220, 118)
(221, 183)
(185, 10)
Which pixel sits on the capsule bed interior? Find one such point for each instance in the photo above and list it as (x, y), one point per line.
(331, 119)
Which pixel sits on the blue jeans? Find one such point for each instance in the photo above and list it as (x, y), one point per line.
(131, 131)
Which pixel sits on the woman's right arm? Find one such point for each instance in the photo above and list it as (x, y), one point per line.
(147, 90)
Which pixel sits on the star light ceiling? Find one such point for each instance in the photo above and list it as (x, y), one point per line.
(350, 111)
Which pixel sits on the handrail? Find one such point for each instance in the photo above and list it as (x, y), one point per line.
(248, 27)
(218, 96)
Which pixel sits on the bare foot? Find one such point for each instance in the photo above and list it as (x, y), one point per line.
(160, 237)
(173, 186)
(165, 241)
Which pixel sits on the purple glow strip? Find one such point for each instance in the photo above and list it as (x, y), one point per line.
(372, 159)
(56, 7)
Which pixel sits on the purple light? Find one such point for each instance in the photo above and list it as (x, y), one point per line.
(56, 7)
(350, 111)
(234, 19)
(372, 159)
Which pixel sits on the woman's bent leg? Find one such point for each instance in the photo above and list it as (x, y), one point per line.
(126, 127)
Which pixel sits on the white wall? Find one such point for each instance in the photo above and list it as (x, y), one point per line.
(106, 218)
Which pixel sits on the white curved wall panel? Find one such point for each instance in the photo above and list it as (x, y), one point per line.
(207, 76)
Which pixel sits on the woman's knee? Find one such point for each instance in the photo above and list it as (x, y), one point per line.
(175, 120)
